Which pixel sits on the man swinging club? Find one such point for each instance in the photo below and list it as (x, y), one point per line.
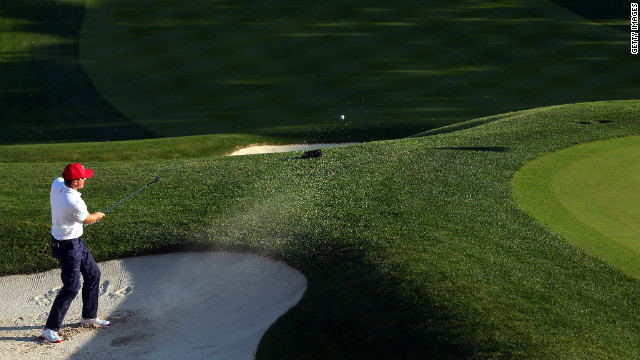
(68, 213)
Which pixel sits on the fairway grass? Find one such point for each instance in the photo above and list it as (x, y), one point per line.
(101, 70)
(135, 150)
(393, 69)
(589, 194)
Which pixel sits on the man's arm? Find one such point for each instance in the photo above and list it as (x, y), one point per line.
(96, 216)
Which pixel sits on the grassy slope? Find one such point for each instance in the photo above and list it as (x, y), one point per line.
(165, 148)
(412, 248)
(587, 194)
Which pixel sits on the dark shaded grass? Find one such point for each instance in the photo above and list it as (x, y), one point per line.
(393, 69)
(287, 69)
(45, 95)
(599, 11)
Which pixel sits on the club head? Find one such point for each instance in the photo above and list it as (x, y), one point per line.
(154, 180)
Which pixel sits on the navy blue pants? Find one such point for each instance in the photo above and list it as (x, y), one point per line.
(75, 260)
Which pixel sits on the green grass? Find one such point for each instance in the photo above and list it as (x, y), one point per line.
(75, 70)
(45, 95)
(392, 69)
(588, 195)
(131, 150)
(414, 248)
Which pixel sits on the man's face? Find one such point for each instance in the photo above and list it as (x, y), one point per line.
(80, 183)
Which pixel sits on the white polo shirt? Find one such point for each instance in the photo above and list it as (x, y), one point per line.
(68, 210)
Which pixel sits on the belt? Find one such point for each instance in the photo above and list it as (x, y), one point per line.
(58, 243)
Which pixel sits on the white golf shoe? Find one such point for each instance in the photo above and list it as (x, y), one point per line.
(50, 335)
(96, 321)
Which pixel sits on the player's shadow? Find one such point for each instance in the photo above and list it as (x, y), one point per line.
(19, 328)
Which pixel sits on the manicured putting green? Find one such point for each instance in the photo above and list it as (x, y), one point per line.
(590, 195)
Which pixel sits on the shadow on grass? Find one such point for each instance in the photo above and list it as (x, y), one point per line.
(352, 310)
(599, 11)
(45, 94)
(455, 127)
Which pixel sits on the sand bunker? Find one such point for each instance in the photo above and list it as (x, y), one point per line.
(175, 306)
(264, 149)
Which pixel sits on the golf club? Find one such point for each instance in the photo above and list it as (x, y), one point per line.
(123, 200)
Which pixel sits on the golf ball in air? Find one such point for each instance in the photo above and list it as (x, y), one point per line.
(341, 117)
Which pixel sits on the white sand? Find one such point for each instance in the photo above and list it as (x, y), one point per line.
(264, 149)
(175, 306)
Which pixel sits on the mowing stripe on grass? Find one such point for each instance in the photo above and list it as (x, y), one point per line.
(589, 194)
(194, 67)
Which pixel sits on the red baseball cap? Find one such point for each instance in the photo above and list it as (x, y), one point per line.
(76, 171)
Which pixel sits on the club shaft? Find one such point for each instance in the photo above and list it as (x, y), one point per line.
(123, 200)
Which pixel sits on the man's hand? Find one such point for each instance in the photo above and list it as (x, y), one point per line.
(96, 216)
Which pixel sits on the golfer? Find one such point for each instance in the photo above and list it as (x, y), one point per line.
(68, 213)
